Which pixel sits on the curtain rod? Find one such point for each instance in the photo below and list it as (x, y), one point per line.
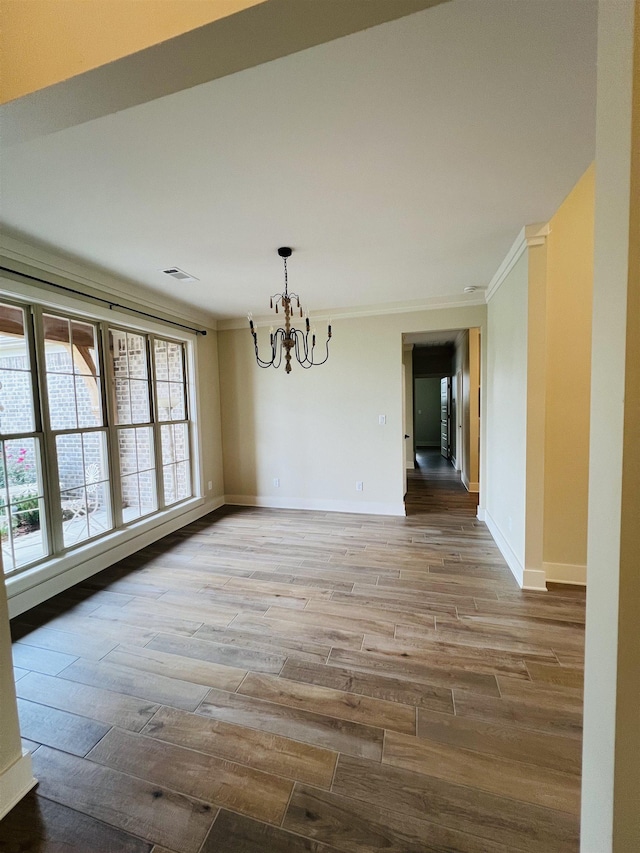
(108, 302)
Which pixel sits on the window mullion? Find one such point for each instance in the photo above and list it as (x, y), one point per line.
(53, 508)
(108, 374)
(157, 438)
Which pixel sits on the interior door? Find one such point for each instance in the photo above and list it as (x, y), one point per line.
(453, 419)
(456, 419)
(445, 417)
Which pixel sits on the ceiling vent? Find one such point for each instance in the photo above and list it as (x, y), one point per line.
(179, 275)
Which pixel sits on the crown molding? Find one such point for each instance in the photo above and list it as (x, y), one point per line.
(531, 235)
(381, 309)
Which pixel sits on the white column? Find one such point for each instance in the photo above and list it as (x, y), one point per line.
(611, 763)
(16, 777)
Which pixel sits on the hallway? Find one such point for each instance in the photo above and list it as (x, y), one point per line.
(283, 681)
(434, 486)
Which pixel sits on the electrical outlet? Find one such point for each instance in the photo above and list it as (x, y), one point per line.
(276, 482)
(210, 485)
(358, 485)
(382, 419)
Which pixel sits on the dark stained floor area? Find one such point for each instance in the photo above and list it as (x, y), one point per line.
(273, 681)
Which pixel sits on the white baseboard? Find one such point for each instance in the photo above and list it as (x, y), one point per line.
(470, 487)
(36, 585)
(526, 579)
(15, 782)
(360, 507)
(566, 573)
(535, 580)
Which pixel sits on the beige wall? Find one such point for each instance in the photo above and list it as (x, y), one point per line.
(551, 294)
(506, 394)
(317, 430)
(63, 38)
(210, 427)
(568, 377)
(611, 770)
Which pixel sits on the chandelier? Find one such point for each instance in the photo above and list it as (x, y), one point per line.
(288, 339)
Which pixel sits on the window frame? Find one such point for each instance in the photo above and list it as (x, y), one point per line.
(35, 302)
(51, 459)
(155, 423)
(114, 427)
(38, 434)
(160, 465)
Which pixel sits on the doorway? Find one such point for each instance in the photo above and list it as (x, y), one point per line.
(442, 372)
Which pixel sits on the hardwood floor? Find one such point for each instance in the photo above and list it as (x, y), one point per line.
(271, 681)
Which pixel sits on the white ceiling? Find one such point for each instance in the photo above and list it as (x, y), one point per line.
(399, 163)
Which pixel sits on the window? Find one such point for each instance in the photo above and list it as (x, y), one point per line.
(149, 396)
(94, 430)
(171, 396)
(77, 423)
(21, 503)
(22, 516)
(131, 400)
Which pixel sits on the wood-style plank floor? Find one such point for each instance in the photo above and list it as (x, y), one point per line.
(271, 681)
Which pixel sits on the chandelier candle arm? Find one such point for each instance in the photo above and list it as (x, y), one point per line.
(289, 338)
